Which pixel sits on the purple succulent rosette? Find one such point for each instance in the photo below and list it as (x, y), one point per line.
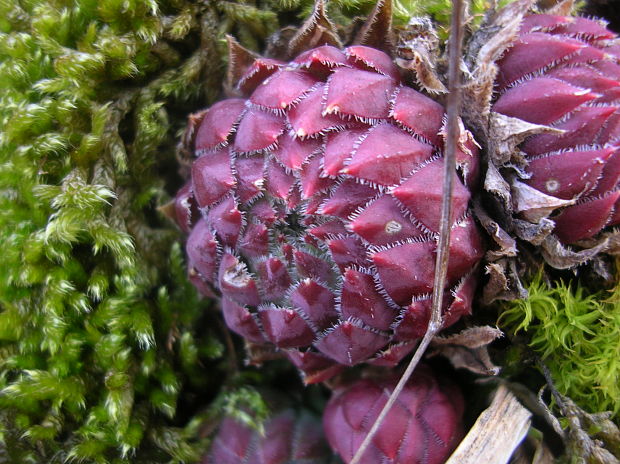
(319, 205)
(564, 72)
(543, 96)
(424, 425)
(289, 437)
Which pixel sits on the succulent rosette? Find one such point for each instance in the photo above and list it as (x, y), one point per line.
(574, 87)
(314, 209)
(553, 129)
(423, 427)
(289, 437)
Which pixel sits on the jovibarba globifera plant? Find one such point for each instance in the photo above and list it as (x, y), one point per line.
(543, 97)
(313, 207)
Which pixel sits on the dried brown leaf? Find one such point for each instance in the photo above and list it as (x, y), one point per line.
(563, 8)
(507, 244)
(377, 30)
(533, 233)
(185, 147)
(532, 204)
(239, 60)
(495, 183)
(424, 71)
(506, 134)
(464, 141)
(257, 354)
(468, 349)
(277, 45)
(562, 257)
(168, 210)
(317, 30)
(504, 282)
(418, 45)
(487, 45)
(193, 121)
(477, 360)
(611, 240)
(473, 337)
(496, 33)
(498, 282)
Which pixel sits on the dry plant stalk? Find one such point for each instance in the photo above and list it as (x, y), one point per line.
(453, 108)
(497, 432)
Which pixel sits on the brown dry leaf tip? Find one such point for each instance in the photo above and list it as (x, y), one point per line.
(468, 349)
(504, 283)
(257, 353)
(417, 52)
(185, 150)
(467, 163)
(377, 30)
(507, 244)
(561, 257)
(471, 338)
(278, 44)
(532, 204)
(486, 46)
(505, 134)
(169, 210)
(563, 8)
(317, 30)
(533, 233)
(239, 60)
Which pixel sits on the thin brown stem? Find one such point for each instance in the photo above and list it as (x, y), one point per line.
(441, 264)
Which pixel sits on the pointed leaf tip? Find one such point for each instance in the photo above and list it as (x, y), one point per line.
(377, 30)
(317, 30)
(239, 60)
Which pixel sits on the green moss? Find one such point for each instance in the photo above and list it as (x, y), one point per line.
(577, 334)
(103, 342)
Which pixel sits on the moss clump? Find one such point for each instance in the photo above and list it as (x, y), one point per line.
(106, 352)
(577, 334)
